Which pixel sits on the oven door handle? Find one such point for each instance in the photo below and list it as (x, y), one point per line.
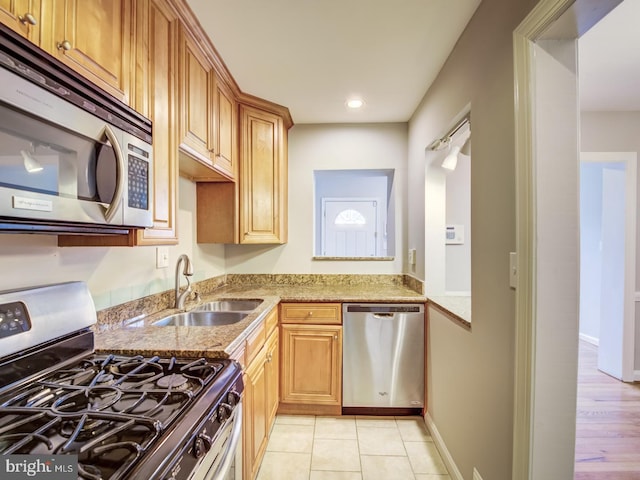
(230, 452)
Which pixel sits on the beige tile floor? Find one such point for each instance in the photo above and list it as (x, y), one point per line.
(351, 448)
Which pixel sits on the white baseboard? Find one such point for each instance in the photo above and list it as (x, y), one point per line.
(636, 375)
(592, 340)
(454, 473)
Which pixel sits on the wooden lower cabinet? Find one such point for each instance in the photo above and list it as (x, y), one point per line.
(255, 417)
(261, 392)
(272, 374)
(311, 358)
(312, 365)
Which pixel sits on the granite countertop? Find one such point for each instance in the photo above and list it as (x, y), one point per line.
(137, 335)
(458, 307)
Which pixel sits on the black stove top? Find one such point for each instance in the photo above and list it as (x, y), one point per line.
(106, 409)
(124, 417)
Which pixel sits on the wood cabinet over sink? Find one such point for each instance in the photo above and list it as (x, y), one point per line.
(254, 209)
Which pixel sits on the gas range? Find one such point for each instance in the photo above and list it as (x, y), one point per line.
(123, 417)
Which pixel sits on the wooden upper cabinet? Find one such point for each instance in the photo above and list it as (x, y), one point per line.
(263, 177)
(22, 16)
(208, 122)
(196, 88)
(225, 123)
(93, 37)
(156, 60)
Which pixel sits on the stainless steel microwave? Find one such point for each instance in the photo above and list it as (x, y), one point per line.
(63, 168)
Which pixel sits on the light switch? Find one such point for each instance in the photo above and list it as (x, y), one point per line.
(513, 269)
(412, 256)
(162, 257)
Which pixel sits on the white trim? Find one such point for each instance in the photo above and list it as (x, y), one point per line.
(539, 19)
(452, 468)
(637, 297)
(636, 376)
(543, 16)
(589, 339)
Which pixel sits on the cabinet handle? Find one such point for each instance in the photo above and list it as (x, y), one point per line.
(27, 18)
(311, 314)
(335, 337)
(64, 45)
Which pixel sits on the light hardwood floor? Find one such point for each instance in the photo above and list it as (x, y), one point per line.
(607, 423)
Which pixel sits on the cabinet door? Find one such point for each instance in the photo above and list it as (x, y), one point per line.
(225, 128)
(255, 418)
(94, 38)
(196, 122)
(263, 177)
(22, 16)
(312, 364)
(158, 78)
(272, 370)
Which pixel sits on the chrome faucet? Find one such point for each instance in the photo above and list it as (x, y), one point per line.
(187, 272)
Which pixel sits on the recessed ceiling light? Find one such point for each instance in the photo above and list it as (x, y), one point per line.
(355, 103)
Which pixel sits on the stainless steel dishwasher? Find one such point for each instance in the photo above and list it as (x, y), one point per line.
(383, 358)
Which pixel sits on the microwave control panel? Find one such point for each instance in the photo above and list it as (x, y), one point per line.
(14, 319)
(138, 176)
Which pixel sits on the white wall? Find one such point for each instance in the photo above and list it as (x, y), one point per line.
(590, 248)
(458, 212)
(470, 374)
(615, 132)
(329, 147)
(114, 275)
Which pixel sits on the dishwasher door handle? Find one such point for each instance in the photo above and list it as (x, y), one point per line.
(383, 315)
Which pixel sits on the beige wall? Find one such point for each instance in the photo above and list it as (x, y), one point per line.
(329, 147)
(470, 395)
(117, 275)
(114, 275)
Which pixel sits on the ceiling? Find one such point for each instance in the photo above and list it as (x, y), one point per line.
(609, 61)
(312, 55)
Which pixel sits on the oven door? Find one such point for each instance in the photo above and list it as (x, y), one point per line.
(224, 459)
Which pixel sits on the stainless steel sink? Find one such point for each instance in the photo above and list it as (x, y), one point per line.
(200, 319)
(247, 305)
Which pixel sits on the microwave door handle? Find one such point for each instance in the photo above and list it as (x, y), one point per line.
(114, 206)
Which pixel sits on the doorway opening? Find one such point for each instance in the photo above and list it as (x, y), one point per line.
(547, 185)
(607, 258)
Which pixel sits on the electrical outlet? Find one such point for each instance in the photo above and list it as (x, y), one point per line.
(162, 257)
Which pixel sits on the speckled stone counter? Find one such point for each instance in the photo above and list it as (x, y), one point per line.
(127, 329)
(458, 308)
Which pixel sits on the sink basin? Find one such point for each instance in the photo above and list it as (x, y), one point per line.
(200, 319)
(229, 306)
